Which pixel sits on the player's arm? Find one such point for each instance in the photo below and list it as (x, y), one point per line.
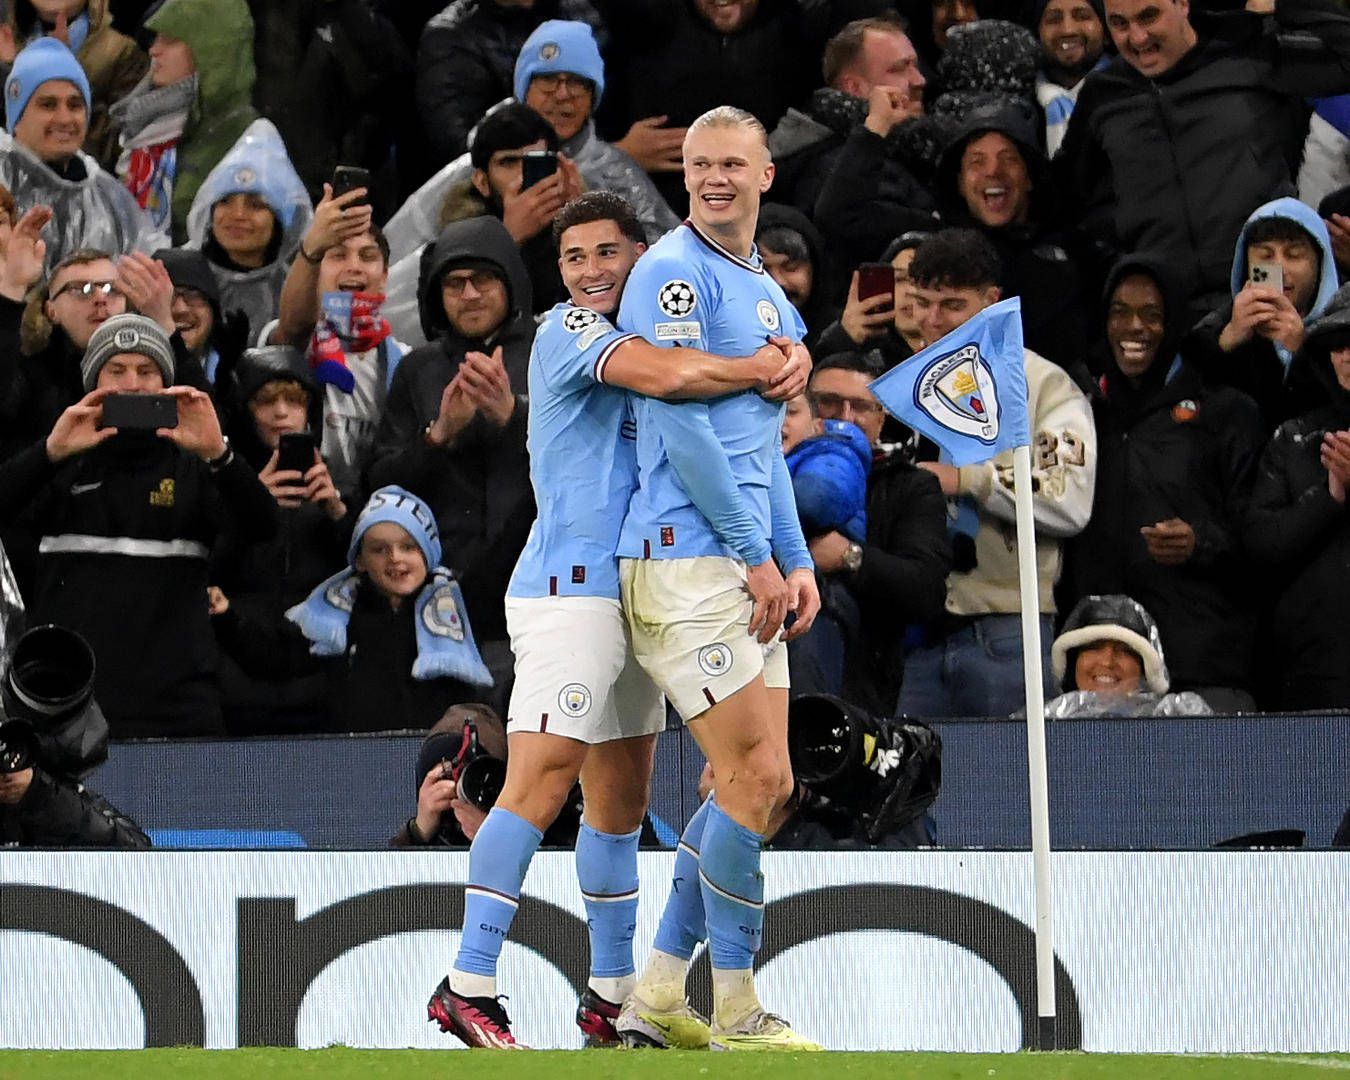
(775, 370)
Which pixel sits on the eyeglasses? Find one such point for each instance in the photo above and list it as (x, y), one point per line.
(831, 405)
(87, 290)
(481, 280)
(189, 295)
(552, 83)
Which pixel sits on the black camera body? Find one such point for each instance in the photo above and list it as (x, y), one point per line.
(878, 774)
(50, 717)
(478, 775)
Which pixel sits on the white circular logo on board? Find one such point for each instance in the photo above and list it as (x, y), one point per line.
(715, 659)
(677, 298)
(578, 319)
(574, 699)
(768, 314)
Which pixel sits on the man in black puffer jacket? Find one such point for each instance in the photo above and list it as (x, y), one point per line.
(1299, 527)
(1193, 126)
(1174, 465)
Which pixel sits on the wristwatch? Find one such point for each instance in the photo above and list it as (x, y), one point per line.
(218, 463)
(853, 558)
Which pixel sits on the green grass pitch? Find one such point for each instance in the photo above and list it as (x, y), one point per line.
(341, 1064)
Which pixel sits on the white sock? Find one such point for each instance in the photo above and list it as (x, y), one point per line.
(734, 996)
(662, 985)
(614, 989)
(467, 984)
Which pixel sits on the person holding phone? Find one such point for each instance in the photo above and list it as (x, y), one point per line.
(1284, 274)
(128, 517)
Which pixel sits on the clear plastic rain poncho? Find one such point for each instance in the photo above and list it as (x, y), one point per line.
(256, 164)
(96, 212)
(1116, 618)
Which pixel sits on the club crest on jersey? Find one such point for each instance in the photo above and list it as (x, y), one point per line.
(576, 320)
(574, 699)
(768, 315)
(676, 298)
(715, 659)
(958, 392)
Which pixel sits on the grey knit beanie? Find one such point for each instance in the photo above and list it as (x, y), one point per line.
(127, 334)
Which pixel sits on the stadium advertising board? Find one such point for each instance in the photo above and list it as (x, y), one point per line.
(1203, 952)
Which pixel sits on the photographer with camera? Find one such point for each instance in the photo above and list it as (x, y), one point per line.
(52, 733)
(460, 770)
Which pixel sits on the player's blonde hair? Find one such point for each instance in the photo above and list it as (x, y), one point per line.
(725, 116)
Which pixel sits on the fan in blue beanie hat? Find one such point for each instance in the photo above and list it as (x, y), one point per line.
(45, 60)
(558, 47)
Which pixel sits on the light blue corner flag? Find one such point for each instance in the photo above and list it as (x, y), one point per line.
(966, 391)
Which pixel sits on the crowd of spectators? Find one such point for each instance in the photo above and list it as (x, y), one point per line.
(1162, 184)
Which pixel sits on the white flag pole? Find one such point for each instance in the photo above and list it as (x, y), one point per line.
(1036, 762)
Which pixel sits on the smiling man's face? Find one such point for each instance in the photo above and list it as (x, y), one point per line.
(595, 259)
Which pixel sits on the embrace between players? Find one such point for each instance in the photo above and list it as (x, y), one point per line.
(663, 560)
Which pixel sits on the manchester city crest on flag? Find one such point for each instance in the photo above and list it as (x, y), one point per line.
(968, 390)
(958, 392)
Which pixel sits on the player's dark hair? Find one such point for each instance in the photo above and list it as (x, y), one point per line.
(509, 128)
(955, 259)
(599, 206)
(845, 47)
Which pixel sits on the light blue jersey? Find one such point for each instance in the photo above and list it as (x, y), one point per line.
(582, 459)
(687, 290)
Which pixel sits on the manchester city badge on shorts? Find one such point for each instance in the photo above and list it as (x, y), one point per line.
(715, 659)
(575, 700)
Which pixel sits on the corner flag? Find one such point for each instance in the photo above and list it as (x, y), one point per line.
(966, 391)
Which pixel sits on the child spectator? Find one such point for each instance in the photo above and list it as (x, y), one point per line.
(389, 632)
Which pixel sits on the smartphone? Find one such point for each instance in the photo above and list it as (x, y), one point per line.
(876, 279)
(141, 412)
(536, 165)
(348, 178)
(295, 452)
(1267, 275)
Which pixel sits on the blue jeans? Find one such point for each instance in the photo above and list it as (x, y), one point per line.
(974, 672)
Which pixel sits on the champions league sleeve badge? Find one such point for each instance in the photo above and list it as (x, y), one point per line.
(676, 298)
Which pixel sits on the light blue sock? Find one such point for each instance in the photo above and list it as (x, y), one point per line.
(733, 891)
(682, 924)
(498, 858)
(608, 877)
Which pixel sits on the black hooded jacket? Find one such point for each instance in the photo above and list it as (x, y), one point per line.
(479, 485)
(820, 309)
(1038, 260)
(1302, 534)
(1171, 446)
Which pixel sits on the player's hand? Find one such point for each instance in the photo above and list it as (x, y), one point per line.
(435, 797)
(336, 220)
(771, 596)
(488, 386)
(77, 428)
(285, 485)
(792, 371)
(23, 257)
(864, 320)
(1170, 542)
(654, 146)
(804, 602)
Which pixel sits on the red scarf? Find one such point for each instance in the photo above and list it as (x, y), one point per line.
(350, 322)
